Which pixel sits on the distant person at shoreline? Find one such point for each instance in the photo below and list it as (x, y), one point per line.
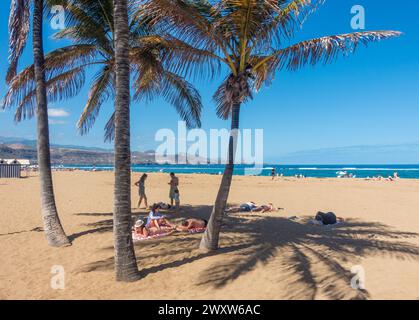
(141, 190)
(174, 183)
(273, 173)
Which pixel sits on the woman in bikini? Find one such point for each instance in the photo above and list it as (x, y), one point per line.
(141, 190)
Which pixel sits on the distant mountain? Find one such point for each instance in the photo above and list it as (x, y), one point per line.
(32, 143)
(407, 153)
(17, 148)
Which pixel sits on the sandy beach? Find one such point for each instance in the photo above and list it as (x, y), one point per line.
(262, 256)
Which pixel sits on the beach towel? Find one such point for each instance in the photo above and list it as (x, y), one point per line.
(161, 233)
(197, 230)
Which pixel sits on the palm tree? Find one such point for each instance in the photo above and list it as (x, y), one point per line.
(125, 262)
(249, 37)
(157, 62)
(19, 31)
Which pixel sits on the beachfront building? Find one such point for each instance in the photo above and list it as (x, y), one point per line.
(11, 168)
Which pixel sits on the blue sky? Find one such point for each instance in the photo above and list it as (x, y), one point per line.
(370, 98)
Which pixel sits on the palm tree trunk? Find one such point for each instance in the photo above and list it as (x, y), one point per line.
(53, 230)
(125, 262)
(210, 238)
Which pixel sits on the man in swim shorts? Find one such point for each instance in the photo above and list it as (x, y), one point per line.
(174, 183)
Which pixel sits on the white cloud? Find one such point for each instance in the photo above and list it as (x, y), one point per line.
(51, 121)
(53, 112)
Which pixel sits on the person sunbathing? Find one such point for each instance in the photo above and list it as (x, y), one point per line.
(266, 208)
(156, 220)
(245, 207)
(192, 223)
(141, 229)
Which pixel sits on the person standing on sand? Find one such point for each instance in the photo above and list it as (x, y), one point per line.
(174, 182)
(141, 190)
(273, 173)
(177, 200)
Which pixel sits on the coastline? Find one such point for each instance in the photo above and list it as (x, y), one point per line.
(309, 171)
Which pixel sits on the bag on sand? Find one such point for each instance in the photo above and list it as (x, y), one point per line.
(326, 218)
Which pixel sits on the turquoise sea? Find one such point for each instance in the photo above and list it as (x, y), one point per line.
(314, 171)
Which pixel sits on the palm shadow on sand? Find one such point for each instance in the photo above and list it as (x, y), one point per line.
(312, 261)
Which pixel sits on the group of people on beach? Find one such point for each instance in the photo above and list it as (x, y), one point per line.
(173, 192)
(157, 223)
(395, 176)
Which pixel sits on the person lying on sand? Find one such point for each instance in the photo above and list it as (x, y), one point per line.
(142, 231)
(266, 208)
(191, 223)
(244, 207)
(140, 228)
(156, 220)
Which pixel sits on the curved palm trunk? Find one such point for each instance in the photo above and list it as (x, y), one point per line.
(53, 230)
(210, 238)
(125, 262)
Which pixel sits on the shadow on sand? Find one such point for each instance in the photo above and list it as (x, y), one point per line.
(312, 261)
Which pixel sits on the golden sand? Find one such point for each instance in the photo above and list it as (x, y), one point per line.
(262, 256)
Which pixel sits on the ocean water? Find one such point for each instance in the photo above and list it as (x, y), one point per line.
(313, 171)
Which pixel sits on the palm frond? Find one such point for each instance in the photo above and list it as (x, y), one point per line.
(284, 21)
(195, 22)
(89, 22)
(61, 87)
(110, 129)
(19, 21)
(176, 91)
(178, 56)
(320, 50)
(101, 90)
(57, 62)
(184, 97)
